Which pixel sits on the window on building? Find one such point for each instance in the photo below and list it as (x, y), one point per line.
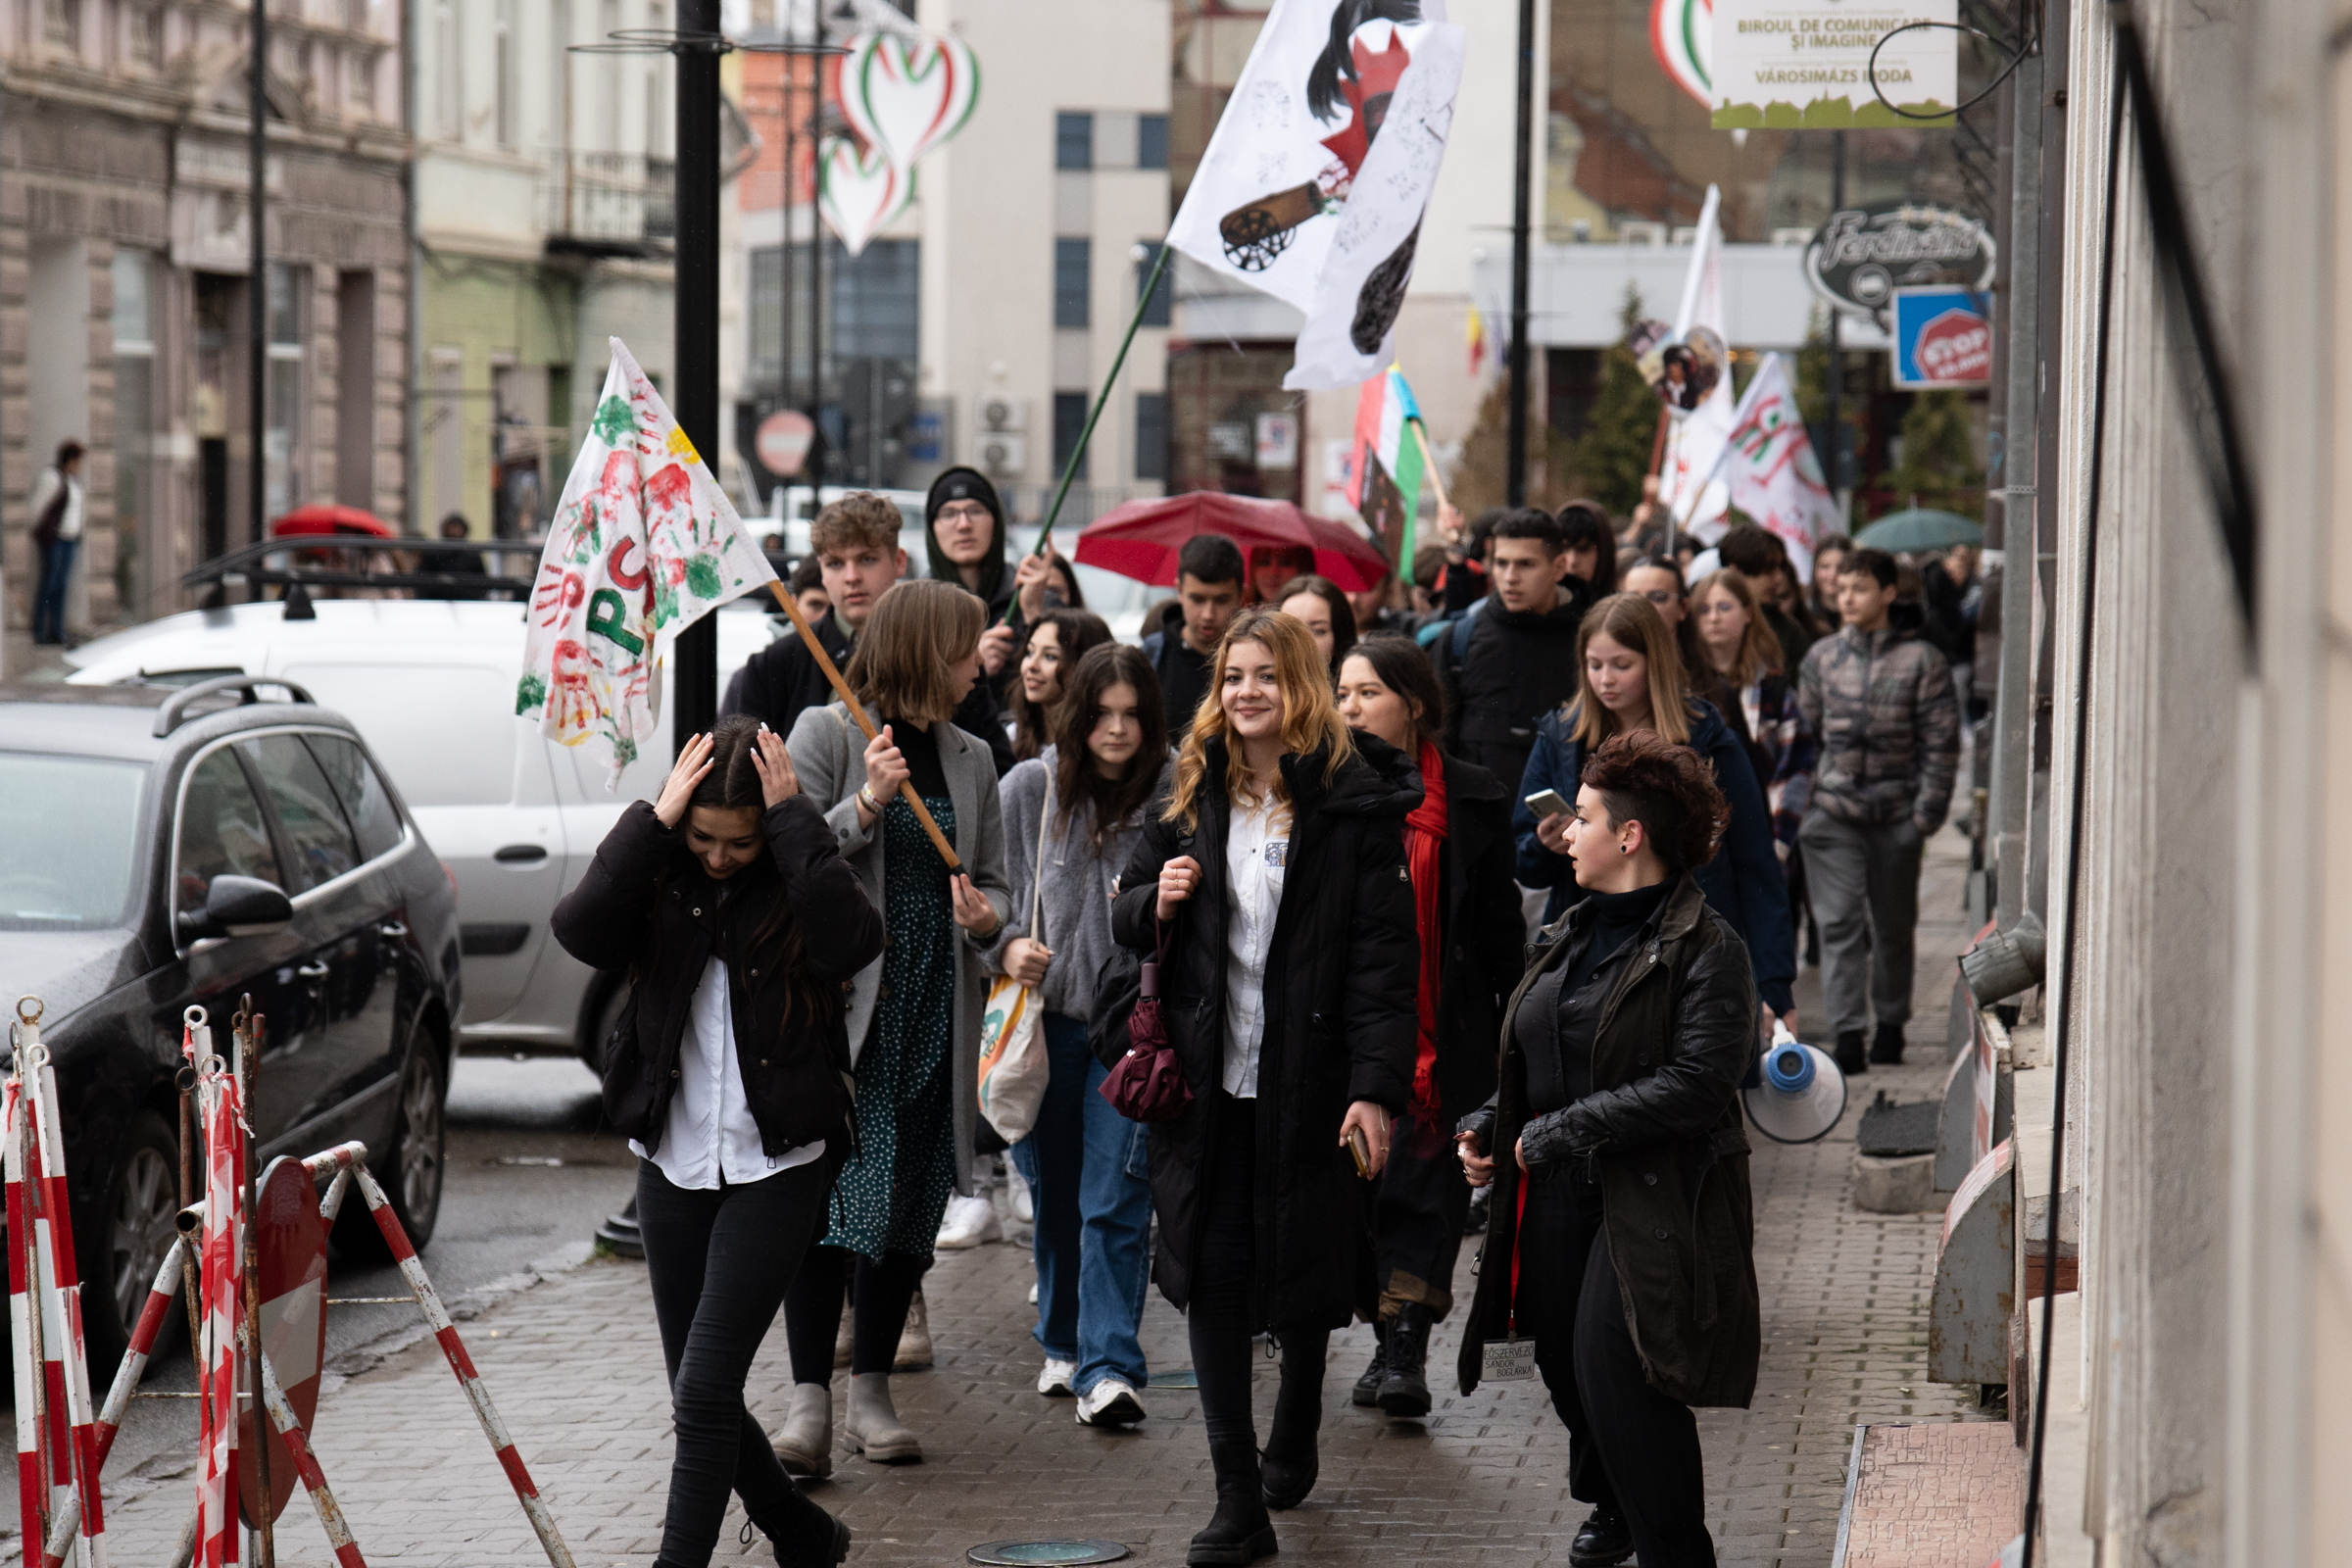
(283, 444)
(1069, 421)
(1072, 262)
(144, 34)
(1156, 309)
(363, 80)
(449, 89)
(502, 61)
(1073, 140)
(764, 367)
(1152, 141)
(134, 417)
(1150, 435)
(61, 22)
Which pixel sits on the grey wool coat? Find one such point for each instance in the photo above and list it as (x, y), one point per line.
(828, 752)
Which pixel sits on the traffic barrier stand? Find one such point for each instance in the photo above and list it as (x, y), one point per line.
(57, 1439)
(63, 1446)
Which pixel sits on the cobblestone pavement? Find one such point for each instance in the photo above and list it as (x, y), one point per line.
(577, 1371)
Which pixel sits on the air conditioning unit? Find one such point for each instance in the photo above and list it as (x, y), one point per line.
(999, 412)
(1000, 453)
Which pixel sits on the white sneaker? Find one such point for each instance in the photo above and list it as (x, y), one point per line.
(1054, 1381)
(1033, 1292)
(1109, 1404)
(969, 1222)
(1024, 1207)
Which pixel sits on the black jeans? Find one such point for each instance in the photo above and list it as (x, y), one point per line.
(720, 1263)
(812, 1310)
(1631, 1449)
(1219, 1317)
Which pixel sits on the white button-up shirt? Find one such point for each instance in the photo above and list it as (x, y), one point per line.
(710, 1137)
(1257, 854)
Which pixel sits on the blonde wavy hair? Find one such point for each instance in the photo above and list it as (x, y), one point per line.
(1634, 623)
(1310, 717)
(1759, 649)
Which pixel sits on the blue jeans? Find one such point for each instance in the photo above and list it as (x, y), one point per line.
(49, 599)
(1086, 1168)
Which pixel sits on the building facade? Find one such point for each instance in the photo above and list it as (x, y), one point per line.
(124, 293)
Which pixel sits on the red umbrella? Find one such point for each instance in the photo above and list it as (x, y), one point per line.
(1142, 538)
(323, 517)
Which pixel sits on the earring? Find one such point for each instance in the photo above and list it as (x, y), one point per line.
(1625, 849)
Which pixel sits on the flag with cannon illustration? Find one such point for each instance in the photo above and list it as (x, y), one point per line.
(1315, 180)
(644, 543)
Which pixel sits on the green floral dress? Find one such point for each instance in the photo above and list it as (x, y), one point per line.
(894, 1192)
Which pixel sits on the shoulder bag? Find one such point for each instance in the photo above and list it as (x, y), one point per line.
(1014, 1064)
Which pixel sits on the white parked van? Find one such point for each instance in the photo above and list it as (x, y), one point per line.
(517, 819)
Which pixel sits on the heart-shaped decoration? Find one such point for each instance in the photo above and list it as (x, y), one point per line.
(859, 191)
(905, 96)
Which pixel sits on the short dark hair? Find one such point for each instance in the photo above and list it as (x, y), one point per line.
(1429, 567)
(1752, 552)
(1878, 562)
(810, 573)
(458, 519)
(1669, 789)
(1584, 524)
(1533, 523)
(1403, 667)
(1209, 558)
(68, 451)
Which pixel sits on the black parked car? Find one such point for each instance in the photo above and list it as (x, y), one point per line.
(161, 848)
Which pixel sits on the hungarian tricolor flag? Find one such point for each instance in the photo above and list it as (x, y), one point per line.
(643, 545)
(1384, 483)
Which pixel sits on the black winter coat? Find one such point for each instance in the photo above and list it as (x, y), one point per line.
(1485, 934)
(1662, 1128)
(1518, 665)
(1340, 979)
(647, 907)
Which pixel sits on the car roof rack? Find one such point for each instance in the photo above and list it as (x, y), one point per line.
(300, 561)
(174, 710)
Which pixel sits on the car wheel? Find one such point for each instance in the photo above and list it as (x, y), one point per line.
(137, 1225)
(412, 1175)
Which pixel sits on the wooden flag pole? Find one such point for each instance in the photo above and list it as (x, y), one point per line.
(1429, 460)
(1657, 443)
(840, 689)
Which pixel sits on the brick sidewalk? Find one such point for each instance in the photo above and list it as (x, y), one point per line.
(577, 1371)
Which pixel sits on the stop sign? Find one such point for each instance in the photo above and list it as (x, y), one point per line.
(782, 442)
(290, 1265)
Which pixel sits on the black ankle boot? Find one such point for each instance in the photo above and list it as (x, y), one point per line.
(1886, 1046)
(1405, 1393)
(1603, 1541)
(1240, 1532)
(811, 1539)
(1290, 1462)
(1367, 1387)
(1852, 1056)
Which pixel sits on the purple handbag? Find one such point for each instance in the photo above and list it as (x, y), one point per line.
(1146, 1084)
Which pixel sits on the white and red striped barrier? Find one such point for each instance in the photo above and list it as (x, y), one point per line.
(220, 1279)
(57, 1437)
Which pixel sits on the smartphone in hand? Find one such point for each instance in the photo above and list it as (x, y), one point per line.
(1360, 1152)
(1546, 803)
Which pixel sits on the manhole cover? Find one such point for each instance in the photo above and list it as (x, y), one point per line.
(1045, 1551)
(1186, 1378)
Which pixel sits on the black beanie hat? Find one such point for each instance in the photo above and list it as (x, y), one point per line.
(966, 484)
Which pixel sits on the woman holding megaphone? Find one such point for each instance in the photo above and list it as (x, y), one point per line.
(1623, 1232)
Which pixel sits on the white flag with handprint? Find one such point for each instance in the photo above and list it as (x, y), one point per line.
(643, 545)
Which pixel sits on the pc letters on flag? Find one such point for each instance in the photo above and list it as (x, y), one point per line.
(1385, 480)
(1770, 471)
(644, 543)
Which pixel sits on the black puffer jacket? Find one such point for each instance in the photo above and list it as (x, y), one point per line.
(646, 907)
(1514, 667)
(1339, 1021)
(1662, 1128)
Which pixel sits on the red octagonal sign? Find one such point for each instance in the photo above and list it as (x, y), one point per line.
(290, 1248)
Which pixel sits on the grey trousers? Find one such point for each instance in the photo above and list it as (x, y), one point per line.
(1864, 883)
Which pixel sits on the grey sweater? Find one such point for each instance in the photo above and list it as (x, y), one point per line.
(1077, 888)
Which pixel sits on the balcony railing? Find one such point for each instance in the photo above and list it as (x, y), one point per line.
(609, 201)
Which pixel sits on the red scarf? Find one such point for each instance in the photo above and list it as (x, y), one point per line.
(1424, 842)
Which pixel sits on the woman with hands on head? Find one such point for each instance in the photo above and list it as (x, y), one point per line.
(1273, 872)
(1082, 804)
(732, 910)
(1630, 1262)
(913, 1018)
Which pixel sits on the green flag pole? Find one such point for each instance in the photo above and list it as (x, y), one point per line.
(1069, 470)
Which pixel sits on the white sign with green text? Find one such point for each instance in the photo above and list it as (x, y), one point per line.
(1792, 64)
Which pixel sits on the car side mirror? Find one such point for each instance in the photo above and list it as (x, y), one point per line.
(239, 907)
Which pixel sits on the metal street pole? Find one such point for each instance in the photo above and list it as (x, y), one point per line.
(1515, 473)
(256, 293)
(1835, 381)
(2013, 708)
(694, 355)
(817, 263)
